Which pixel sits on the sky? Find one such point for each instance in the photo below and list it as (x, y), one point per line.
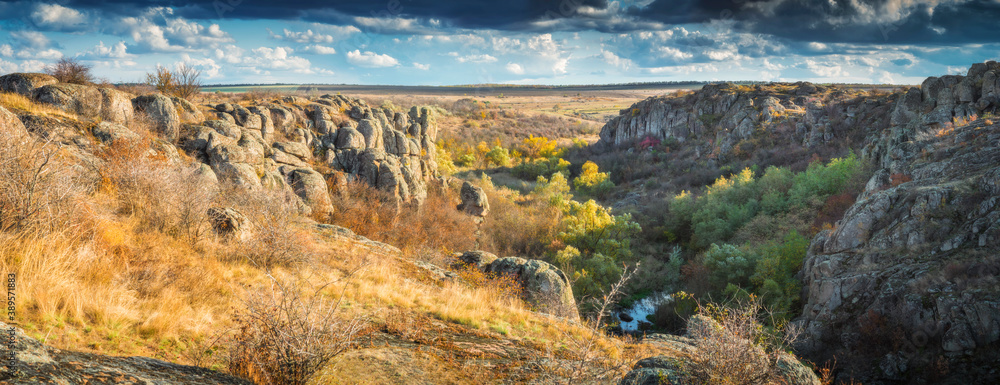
(450, 42)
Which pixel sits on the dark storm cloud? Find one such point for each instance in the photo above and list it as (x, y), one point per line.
(458, 13)
(831, 21)
(852, 21)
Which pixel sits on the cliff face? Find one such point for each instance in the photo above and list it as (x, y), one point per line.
(907, 282)
(801, 114)
(905, 287)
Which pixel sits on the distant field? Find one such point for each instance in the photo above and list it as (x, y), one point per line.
(474, 91)
(275, 88)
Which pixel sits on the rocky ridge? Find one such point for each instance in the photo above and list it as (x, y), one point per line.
(292, 143)
(718, 117)
(907, 281)
(904, 289)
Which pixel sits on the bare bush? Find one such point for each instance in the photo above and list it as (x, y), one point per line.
(589, 362)
(166, 197)
(70, 71)
(188, 81)
(286, 337)
(184, 82)
(35, 187)
(734, 346)
(272, 239)
(584, 358)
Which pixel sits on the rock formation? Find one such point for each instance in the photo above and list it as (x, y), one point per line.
(474, 200)
(40, 364)
(671, 370)
(25, 83)
(906, 283)
(544, 286)
(904, 288)
(718, 117)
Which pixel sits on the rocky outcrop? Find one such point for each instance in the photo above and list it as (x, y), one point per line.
(73, 98)
(11, 128)
(658, 370)
(186, 110)
(719, 117)
(544, 286)
(905, 285)
(40, 364)
(162, 114)
(228, 222)
(310, 186)
(116, 106)
(109, 133)
(474, 200)
(298, 134)
(25, 83)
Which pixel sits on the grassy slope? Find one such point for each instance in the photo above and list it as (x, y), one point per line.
(102, 279)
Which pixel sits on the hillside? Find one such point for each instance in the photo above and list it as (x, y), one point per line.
(205, 234)
(898, 276)
(456, 242)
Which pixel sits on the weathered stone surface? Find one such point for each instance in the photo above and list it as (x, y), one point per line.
(116, 106)
(544, 286)
(474, 200)
(112, 132)
(228, 222)
(311, 187)
(907, 277)
(299, 150)
(475, 258)
(25, 83)
(349, 138)
(74, 98)
(160, 110)
(225, 127)
(239, 174)
(40, 364)
(186, 110)
(223, 149)
(11, 126)
(372, 133)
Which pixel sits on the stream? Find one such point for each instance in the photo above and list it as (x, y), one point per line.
(641, 309)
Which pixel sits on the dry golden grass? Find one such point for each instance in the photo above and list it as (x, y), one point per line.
(15, 101)
(128, 271)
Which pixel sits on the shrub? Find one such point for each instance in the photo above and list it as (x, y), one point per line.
(533, 169)
(729, 264)
(592, 182)
(184, 82)
(775, 272)
(498, 156)
(371, 213)
(285, 337)
(601, 242)
(539, 147)
(70, 71)
(734, 347)
(36, 187)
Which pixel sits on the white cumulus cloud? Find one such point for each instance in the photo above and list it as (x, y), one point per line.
(57, 17)
(371, 59)
(319, 49)
(477, 58)
(116, 51)
(515, 69)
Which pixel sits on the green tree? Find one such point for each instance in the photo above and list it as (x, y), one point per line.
(591, 181)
